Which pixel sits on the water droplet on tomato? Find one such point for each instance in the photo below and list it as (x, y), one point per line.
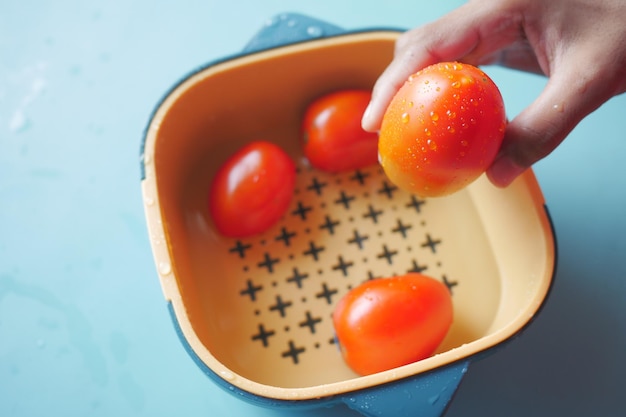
(451, 129)
(434, 116)
(456, 84)
(464, 143)
(406, 118)
(427, 132)
(431, 144)
(457, 66)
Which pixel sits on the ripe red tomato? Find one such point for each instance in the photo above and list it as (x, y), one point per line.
(442, 129)
(333, 138)
(390, 322)
(252, 189)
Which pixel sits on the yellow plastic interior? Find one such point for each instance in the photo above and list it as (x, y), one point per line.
(265, 325)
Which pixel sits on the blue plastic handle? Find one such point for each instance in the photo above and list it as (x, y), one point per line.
(423, 395)
(426, 395)
(288, 28)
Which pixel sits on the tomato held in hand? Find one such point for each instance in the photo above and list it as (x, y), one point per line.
(442, 129)
(390, 322)
(334, 140)
(252, 189)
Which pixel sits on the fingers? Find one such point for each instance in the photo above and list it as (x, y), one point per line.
(472, 33)
(569, 96)
(415, 49)
(585, 66)
(390, 82)
(519, 55)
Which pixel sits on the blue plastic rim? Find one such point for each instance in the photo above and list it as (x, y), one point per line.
(426, 394)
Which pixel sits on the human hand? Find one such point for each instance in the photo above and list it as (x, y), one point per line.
(579, 44)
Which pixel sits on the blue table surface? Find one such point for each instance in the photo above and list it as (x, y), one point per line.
(84, 328)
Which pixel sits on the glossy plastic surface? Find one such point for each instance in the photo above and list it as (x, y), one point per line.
(255, 311)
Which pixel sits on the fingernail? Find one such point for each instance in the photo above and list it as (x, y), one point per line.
(366, 115)
(503, 171)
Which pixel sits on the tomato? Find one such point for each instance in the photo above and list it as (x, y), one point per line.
(442, 129)
(252, 190)
(389, 322)
(333, 138)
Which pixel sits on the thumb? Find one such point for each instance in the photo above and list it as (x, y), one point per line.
(566, 99)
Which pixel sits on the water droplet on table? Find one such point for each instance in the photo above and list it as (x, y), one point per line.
(19, 122)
